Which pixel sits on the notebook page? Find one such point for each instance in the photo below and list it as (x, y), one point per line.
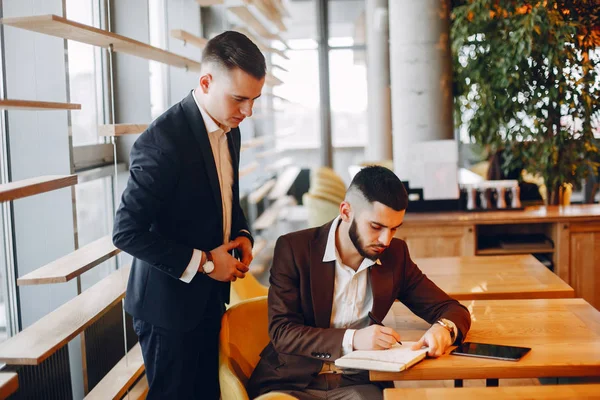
(398, 354)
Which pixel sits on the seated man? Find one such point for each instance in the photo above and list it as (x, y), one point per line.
(324, 282)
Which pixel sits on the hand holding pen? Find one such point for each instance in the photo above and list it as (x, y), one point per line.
(375, 337)
(378, 322)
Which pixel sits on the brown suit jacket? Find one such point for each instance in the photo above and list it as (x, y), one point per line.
(300, 303)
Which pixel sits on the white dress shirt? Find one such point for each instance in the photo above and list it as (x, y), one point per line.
(352, 295)
(218, 143)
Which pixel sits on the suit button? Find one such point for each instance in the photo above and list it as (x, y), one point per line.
(327, 355)
(313, 354)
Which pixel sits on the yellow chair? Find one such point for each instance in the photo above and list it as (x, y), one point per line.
(320, 210)
(244, 333)
(247, 288)
(328, 174)
(389, 164)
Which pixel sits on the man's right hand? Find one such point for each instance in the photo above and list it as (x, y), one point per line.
(375, 337)
(227, 268)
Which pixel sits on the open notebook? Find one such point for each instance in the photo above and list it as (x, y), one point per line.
(396, 359)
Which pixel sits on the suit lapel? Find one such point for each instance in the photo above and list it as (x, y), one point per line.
(322, 277)
(232, 137)
(382, 285)
(198, 128)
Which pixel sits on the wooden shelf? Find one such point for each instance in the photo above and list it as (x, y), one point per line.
(54, 25)
(72, 265)
(121, 129)
(139, 390)
(115, 384)
(273, 12)
(208, 3)
(32, 186)
(260, 193)
(261, 46)
(9, 383)
(36, 105)
(248, 168)
(247, 16)
(43, 338)
(496, 251)
(259, 245)
(271, 214)
(277, 66)
(187, 37)
(272, 80)
(269, 153)
(251, 143)
(280, 164)
(278, 97)
(284, 182)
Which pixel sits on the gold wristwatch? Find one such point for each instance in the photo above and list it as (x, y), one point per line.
(449, 326)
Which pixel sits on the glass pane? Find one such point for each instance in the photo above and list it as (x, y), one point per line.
(298, 119)
(348, 85)
(94, 220)
(158, 71)
(82, 77)
(3, 294)
(346, 23)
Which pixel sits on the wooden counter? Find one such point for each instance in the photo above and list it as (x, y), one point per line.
(535, 214)
(573, 234)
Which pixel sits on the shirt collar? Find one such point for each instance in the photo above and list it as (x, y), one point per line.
(331, 253)
(211, 126)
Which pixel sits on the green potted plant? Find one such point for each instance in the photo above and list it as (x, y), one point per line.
(526, 83)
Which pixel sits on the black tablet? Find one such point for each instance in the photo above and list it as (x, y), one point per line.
(486, 350)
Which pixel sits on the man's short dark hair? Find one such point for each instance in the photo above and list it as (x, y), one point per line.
(380, 184)
(232, 50)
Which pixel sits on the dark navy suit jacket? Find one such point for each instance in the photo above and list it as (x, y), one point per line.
(172, 205)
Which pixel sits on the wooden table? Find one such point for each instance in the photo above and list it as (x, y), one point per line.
(494, 277)
(548, 392)
(564, 335)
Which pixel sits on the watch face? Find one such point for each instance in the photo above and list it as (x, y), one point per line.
(208, 267)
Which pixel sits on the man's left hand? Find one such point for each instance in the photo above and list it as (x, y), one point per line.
(437, 338)
(244, 246)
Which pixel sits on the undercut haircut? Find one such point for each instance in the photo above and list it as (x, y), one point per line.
(232, 50)
(379, 184)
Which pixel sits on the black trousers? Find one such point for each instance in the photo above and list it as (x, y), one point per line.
(182, 365)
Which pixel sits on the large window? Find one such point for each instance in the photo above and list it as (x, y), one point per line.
(297, 120)
(85, 75)
(158, 71)
(348, 86)
(87, 83)
(94, 215)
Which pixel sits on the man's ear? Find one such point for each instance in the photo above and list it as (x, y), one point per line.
(205, 82)
(345, 211)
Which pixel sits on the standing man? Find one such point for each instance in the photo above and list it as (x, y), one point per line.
(326, 280)
(180, 218)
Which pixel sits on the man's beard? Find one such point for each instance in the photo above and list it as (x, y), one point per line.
(357, 242)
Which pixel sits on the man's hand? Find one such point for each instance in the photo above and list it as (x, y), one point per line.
(227, 268)
(437, 338)
(244, 246)
(375, 337)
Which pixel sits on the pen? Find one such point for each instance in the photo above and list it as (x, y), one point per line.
(378, 322)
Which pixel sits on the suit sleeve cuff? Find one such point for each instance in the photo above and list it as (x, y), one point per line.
(192, 269)
(348, 341)
(247, 234)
